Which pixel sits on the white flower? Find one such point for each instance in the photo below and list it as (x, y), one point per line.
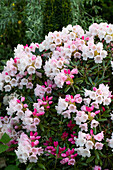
(94, 123)
(1, 86)
(66, 114)
(41, 47)
(98, 59)
(107, 101)
(93, 95)
(7, 88)
(13, 82)
(89, 144)
(87, 101)
(72, 35)
(108, 38)
(99, 99)
(103, 53)
(84, 127)
(86, 152)
(62, 105)
(31, 70)
(24, 81)
(80, 141)
(7, 78)
(72, 108)
(33, 158)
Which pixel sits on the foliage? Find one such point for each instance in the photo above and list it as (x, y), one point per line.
(86, 12)
(56, 101)
(12, 26)
(107, 10)
(56, 14)
(34, 21)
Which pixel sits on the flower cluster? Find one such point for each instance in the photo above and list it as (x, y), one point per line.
(100, 95)
(45, 85)
(87, 142)
(16, 70)
(102, 30)
(67, 106)
(27, 148)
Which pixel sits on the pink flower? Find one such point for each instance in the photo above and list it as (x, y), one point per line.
(63, 161)
(68, 82)
(71, 162)
(55, 143)
(22, 99)
(74, 71)
(97, 167)
(98, 145)
(99, 136)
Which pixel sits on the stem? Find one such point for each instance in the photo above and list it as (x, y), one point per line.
(55, 162)
(73, 88)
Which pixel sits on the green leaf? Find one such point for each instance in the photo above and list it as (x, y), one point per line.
(41, 166)
(41, 127)
(11, 167)
(57, 149)
(30, 166)
(97, 154)
(101, 120)
(67, 89)
(3, 148)
(5, 138)
(90, 80)
(31, 100)
(90, 159)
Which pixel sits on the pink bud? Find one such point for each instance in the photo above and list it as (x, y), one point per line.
(35, 134)
(18, 101)
(22, 99)
(50, 102)
(25, 105)
(68, 82)
(48, 107)
(50, 98)
(36, 142)
(31, 133)
(35, 110)
(32, 137)
(67, 100)
(91, 131)
(16, 127)
(65, 71)
(55, 143)
(82, 37)
(44, 98)
(87, 38)
(68, 71)
(94, 88)
(71, 76)
(32, 144)
(6, 73)
(38, 137)
(45, 83)
(98, 111)
(33, 57)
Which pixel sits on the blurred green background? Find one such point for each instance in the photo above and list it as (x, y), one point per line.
(26, 21)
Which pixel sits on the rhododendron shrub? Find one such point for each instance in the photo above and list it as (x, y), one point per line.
(56, 101)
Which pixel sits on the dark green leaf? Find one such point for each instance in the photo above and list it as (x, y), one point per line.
(90, 159)
(5, 138)
(3, 148)
(11, 167)
(41, 166)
